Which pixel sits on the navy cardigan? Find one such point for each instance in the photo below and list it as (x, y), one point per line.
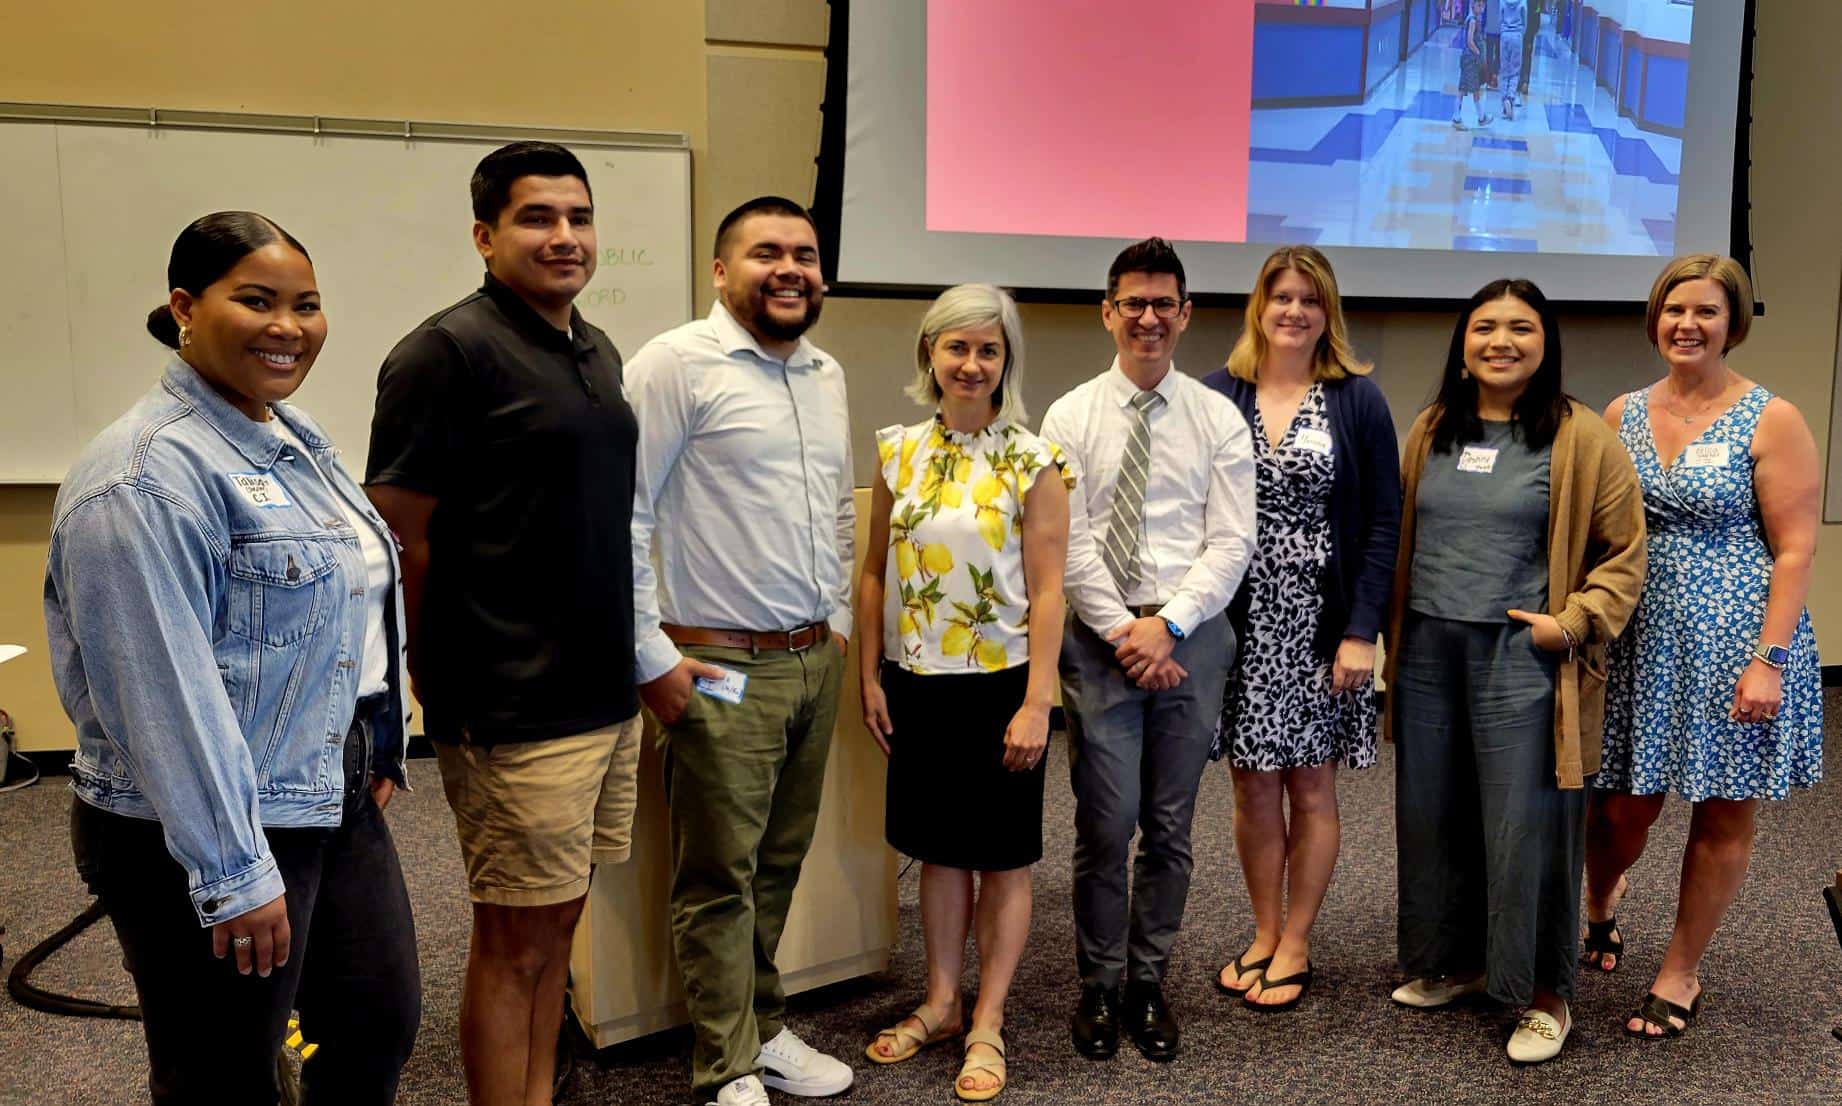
(1365, 510)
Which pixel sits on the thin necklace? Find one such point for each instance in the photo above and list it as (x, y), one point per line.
(1698, 412)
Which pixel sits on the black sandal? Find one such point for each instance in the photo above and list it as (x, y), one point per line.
(1301, 980)
(1601, 942)
(1657, 1010)
(1240, 970)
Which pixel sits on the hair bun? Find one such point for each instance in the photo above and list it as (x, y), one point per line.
(163, 326)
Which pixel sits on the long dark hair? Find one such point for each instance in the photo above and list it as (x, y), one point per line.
(1537, 414)
(204, 252)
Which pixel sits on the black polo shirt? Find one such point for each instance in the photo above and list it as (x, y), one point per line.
(522, 435)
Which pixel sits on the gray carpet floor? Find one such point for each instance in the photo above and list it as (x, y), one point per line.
(1773, 981)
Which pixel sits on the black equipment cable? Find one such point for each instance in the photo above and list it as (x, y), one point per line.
(19, 984)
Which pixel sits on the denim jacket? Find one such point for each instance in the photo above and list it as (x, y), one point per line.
(204, 599)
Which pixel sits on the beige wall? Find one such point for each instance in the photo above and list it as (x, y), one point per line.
(744, 79)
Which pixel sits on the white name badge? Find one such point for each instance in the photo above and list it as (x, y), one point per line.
(1478, 458)
(261, 489)
(728, 689)
(1706, 455)
(1312, 440)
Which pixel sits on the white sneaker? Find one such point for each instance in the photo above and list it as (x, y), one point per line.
(1538, 1036)
(1430, 991)
(746, 1091)
(791, 1065)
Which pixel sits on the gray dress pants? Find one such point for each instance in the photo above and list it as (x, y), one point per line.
(1490, 850)
(1136, 758)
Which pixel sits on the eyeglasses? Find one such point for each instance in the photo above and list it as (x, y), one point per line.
(1165, 308)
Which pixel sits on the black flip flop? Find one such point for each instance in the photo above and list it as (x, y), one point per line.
(1657, 1010)
(1600, 942)
(1240, 970)
(1301, 980)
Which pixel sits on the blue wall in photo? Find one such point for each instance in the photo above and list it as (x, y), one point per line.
(1297, 60)
(1608, 55)
(1633, 80)
(1384, 47)
(1666, 92)
(1419, 22)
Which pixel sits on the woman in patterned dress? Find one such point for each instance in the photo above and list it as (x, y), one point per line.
(1301, 696)
(1715, 691)
(960, 608)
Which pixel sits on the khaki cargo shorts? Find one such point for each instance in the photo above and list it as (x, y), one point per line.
(535, 816)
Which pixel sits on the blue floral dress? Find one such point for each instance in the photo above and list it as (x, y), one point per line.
(1674, 670)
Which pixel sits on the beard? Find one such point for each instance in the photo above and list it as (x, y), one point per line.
(783, 330)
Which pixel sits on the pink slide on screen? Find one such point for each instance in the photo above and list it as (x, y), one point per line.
(1113, 119)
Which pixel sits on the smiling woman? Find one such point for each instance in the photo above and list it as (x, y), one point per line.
(251, 326)
(1714, 692)
(1521, 556)
(211, 529)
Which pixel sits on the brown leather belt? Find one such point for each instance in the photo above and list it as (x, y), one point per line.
(797, 640)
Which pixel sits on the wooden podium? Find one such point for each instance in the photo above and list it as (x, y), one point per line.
(624, 979)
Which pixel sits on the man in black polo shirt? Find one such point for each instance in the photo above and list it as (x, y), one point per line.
(502, 454)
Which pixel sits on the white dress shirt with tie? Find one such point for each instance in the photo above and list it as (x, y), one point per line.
(743, 510)
(1197, 532)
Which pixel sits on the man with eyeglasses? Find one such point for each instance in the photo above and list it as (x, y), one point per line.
(1161, 528)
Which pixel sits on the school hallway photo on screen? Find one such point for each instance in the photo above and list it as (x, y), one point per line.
(1418, 165)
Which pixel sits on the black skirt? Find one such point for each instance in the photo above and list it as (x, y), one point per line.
(951, 801)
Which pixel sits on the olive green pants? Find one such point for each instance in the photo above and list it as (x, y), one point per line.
(743, 782)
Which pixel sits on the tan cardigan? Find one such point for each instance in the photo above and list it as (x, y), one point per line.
(1596, 564)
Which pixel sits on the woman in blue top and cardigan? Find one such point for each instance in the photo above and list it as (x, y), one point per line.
(1301, 694)
(224, 616)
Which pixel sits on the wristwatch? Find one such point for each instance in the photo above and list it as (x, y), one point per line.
(1777, 656)
(1176, 631)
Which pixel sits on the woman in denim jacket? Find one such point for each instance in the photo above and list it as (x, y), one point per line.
(225, 625)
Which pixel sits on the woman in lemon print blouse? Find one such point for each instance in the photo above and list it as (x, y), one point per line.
(959, 611)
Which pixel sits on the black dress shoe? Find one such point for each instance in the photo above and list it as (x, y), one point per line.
(1095, 1024)
(1150, 1023)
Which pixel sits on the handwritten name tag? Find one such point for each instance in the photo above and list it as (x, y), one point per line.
(261, 489)
(1706, 455)
(1312, 440)
(728, 689)
(1478, 458)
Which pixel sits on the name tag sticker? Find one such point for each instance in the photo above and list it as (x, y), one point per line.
(1312, 440)
(1706, 455)
(1477, 458)
(728, 688)
(261, 489)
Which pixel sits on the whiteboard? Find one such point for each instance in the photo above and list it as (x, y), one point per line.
(386, 219)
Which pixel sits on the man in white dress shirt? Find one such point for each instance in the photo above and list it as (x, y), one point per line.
(1161, 529)
(742, 531)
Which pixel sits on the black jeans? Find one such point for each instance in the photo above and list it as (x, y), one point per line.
(212, 1034)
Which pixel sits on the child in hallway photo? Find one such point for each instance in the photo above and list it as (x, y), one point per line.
(1471, 68)
(1514, 21)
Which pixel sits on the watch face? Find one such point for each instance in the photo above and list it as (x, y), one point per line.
(1777, 654)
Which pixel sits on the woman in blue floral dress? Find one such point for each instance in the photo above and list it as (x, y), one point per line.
(1715, 691)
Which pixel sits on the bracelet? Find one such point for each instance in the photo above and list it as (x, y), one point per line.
(1573, 643)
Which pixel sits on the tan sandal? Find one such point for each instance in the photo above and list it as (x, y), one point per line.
(993, 1067)
(907, 1041)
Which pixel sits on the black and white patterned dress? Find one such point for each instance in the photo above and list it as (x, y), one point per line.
(1278, 711)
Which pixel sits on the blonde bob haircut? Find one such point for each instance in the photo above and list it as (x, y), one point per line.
(1724, 271)
(963, 307)
(1334, 358)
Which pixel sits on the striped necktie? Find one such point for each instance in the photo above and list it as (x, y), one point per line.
(1120, 548)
